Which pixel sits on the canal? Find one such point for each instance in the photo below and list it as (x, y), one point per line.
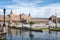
(15, 34)
(19, 34)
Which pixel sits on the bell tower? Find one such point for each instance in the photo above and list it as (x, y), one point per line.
(11, 12)
(11, 16)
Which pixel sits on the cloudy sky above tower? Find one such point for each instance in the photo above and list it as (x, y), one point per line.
(37, 8)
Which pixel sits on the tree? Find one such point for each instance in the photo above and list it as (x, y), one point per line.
(31, 23)
(31, 35)
(23, 21)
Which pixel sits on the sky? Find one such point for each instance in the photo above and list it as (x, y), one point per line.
(37, 8)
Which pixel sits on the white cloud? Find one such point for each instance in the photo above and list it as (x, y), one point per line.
(24, 7)
(27, 3)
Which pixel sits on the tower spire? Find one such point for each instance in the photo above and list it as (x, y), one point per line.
(11, 12)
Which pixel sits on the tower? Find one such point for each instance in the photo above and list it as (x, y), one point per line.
(20, 16)
(29, 14)
(11, 12)
(11, 16)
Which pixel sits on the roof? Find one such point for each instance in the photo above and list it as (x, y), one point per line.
(41, 18)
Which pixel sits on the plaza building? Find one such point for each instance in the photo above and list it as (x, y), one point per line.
(46, 20)
(17, 19)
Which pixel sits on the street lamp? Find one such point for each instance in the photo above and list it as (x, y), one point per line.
(4, 10)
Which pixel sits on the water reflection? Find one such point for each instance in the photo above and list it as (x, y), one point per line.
(31, 35)
(15, 34)
(54, 35)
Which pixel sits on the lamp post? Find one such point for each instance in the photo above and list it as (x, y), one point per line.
(4, 26)
(4, 10)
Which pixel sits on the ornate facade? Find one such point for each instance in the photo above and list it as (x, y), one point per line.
(13, 18)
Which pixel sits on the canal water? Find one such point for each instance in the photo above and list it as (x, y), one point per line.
(14, 34)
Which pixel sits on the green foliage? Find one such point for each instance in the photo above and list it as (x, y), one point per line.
(55, 29)
(31, 23)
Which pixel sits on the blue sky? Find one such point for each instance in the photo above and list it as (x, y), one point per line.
(37, 8)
